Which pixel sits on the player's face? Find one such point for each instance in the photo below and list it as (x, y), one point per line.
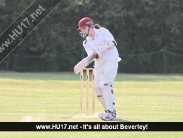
(84, 30)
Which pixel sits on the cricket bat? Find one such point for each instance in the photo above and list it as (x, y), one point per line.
(83, 63)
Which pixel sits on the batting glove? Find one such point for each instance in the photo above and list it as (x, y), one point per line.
(104, 47)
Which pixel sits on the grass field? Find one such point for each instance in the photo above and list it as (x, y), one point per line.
(55, 97)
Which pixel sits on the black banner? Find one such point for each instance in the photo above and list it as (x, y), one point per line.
(91, 126)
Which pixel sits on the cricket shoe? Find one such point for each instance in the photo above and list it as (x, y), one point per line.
(101, 114)
(108, 115)
(105, 111)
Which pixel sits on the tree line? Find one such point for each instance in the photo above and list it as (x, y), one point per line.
(139, 26)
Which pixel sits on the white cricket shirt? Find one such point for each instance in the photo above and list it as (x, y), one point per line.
(102, 36)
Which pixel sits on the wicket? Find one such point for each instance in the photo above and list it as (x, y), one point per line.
(87, 89)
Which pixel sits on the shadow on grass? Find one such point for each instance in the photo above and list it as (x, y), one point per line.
(121, 120)
(66, 76)
(70, 76)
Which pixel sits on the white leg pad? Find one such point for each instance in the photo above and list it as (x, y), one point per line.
(113, 98)
(99, 95)
(107, 93)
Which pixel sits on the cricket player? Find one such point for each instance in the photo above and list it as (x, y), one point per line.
(100, 43)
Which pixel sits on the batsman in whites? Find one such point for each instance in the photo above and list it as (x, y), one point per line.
(100, 47)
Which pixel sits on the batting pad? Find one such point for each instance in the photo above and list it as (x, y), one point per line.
(99, 95)
(106, 89)
(113, 98)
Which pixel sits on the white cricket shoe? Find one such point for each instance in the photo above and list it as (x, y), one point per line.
(108, 115)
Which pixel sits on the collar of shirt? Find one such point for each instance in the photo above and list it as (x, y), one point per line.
(96, 32)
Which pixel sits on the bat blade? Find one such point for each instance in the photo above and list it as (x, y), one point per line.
(81, 65)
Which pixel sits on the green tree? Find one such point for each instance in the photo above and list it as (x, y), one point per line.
(139, 26)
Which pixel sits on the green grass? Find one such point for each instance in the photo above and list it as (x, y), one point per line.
(55, 97)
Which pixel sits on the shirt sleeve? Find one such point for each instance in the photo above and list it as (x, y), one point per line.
(88, 50)
(109, 37)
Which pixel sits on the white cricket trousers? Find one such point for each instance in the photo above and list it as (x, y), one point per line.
(109, 68)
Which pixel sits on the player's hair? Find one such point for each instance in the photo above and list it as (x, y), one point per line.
(97, 26)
